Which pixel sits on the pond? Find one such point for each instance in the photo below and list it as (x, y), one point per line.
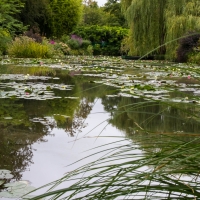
(54, 111)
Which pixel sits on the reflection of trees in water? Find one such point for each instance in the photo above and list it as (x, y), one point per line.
(76, 124)
(15, 148)
(155, 127)
(132, 115)
(17, 135)
(24, 122)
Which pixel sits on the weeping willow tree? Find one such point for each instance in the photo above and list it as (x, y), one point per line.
(182, 17)
(156, 22)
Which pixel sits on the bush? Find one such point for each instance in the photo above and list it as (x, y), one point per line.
(77, 46)
(194, 58)
(74, 44)
(85, 44)
(25, 47)
(81, 51)
(61, 48)
(36, 36)
(186, 46)
(105, 40)
(5, 38)
(64, 38)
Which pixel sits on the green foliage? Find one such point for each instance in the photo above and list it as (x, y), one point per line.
(27, 48)
(74, 44)
(155, 23)
(194, 58)
(105, 40)
(5, 38)
(77, 45)
(181, 17)
(146, 25)
(93, 15)
(82, 51)
(109, 15)
(64, 16)
(8, 8)
(35, 14)
(113, 7)
(61, 48)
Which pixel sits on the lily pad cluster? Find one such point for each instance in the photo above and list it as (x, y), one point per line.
(21, 86)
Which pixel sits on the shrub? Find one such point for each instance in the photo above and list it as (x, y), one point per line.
(65, 38)
(25, 47)
(85, 44)
(81, 51)
(74, 44)
(36, 36)
(77, 46)
(61, 48)
(186, 46)
(5, 38)
(105, 40)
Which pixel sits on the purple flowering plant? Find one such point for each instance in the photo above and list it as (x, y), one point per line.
(77, 38)
(52, 42)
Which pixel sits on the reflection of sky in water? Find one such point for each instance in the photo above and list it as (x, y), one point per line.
(51, 158)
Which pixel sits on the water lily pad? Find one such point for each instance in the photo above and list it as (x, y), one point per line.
(16, 189)
(5, 174)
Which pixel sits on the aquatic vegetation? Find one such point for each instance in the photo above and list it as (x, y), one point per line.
(29, 90)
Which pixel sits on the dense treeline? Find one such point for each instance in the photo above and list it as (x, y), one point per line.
(57, 20)
(155, 26)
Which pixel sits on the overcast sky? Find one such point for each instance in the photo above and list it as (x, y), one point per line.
(101, 2)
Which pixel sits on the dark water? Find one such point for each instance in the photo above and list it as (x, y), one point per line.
(39, 138)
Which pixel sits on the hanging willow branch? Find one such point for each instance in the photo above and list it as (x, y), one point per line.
(156, 22)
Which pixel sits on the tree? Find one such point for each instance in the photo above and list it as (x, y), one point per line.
(8, 9)
(154, 23)
(93, 15)
(64, 16)
(109, 15)
(35, 15)
(113, 7)
(147, 28)
(182, 16)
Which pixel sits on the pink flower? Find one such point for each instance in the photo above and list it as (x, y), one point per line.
(52, 42)
(189, 77)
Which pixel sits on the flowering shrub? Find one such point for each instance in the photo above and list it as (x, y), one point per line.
(36, 36)
(75, 45)
(61, 48)
(25, 47)
(77, 38)
(52, 42)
